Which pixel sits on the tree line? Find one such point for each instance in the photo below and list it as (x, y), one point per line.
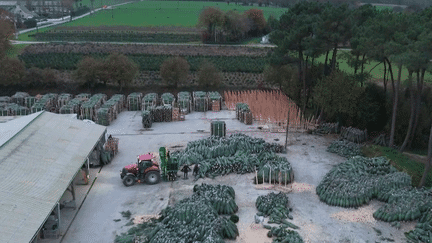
(402, 40)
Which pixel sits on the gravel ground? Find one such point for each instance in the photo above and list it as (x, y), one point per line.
(318, 222)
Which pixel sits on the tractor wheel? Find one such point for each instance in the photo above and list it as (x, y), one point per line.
(129, 180)
(152, 177)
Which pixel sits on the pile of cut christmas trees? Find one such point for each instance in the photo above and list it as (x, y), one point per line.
(239, 154)
(208, 216)
(276, 207)
(349, 142)
(359, 180)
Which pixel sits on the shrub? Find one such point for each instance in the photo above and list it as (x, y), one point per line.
(12, 71)
(208, 75)
(80, 11)
(174, 71)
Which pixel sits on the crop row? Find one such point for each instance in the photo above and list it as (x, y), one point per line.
(117, 36)
(69, 61)
(128, 49)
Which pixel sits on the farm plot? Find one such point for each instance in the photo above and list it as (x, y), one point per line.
(66, 57)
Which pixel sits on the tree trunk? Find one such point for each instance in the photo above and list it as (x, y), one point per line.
(418, 103)
(362, 66)
(356, 63)
(395, 103)
(413, 111)
(384, 80)
(302, 76)
(333, 61)
(428, 161)
(325, 63)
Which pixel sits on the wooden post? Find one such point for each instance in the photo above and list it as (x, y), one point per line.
(256, 175)
(270, 176)
(286, 136)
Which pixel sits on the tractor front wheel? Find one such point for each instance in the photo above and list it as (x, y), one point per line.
(152, 177)
(129, 180)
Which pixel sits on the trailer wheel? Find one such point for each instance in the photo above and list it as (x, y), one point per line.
(129, 180)
(152, 177)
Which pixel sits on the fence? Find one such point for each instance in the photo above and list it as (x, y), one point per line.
(271, 108)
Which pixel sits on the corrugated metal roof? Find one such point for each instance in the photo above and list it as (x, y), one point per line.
(36, 167)
(14, 125)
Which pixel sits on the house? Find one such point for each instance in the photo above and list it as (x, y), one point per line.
(18, 9)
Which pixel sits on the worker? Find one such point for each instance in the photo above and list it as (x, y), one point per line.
(195, 170)
(185, 171)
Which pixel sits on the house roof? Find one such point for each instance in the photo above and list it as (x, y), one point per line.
(40, 155)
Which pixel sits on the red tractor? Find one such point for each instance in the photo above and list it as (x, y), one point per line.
(146, 169)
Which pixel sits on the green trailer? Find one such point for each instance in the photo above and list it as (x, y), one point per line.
(169, 166)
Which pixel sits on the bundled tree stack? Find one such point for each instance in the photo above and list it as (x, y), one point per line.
(48, 102)
(149, 100)
(90, 107)
(327, 128)
(167, 113)
(134, 101)
(5, 100)
(168, 99)
(114, 106)
(241, 109)
(30, 101)
(198, 218)
(104, 116)
(345, 148)
(118, 103)
(200, 101)
(83, 96)
(146, 118)
(237, 154)
(19, 98)
(72, 107)
(12, 109)
(184, 102)
(215, 101)
(63, 99)
(353, 134)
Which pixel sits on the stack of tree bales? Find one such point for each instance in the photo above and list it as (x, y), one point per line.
(121, 104)
(5, 99)
(328, 128)
(215, 101)
(168, 99)
(104, 116)
(185, 102)
(47, 102)
(72, 107)
(63, 99)
(19, 98)
(30, 101)
(146, 119)
(200, 101)
(161, 113)
(149, 100)
(12, 109)
(114, 105)
(89, 108)
(134, 101)
(83, 96)
(353, 134)
(241, 109)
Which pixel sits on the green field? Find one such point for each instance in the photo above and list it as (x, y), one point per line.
(155, 13)
(15, 50)
(377, 72)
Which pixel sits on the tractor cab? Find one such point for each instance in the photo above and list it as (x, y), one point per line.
(145, 161)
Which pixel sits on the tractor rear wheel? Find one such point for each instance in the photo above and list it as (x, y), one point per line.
(152, 177)
(129, 180)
